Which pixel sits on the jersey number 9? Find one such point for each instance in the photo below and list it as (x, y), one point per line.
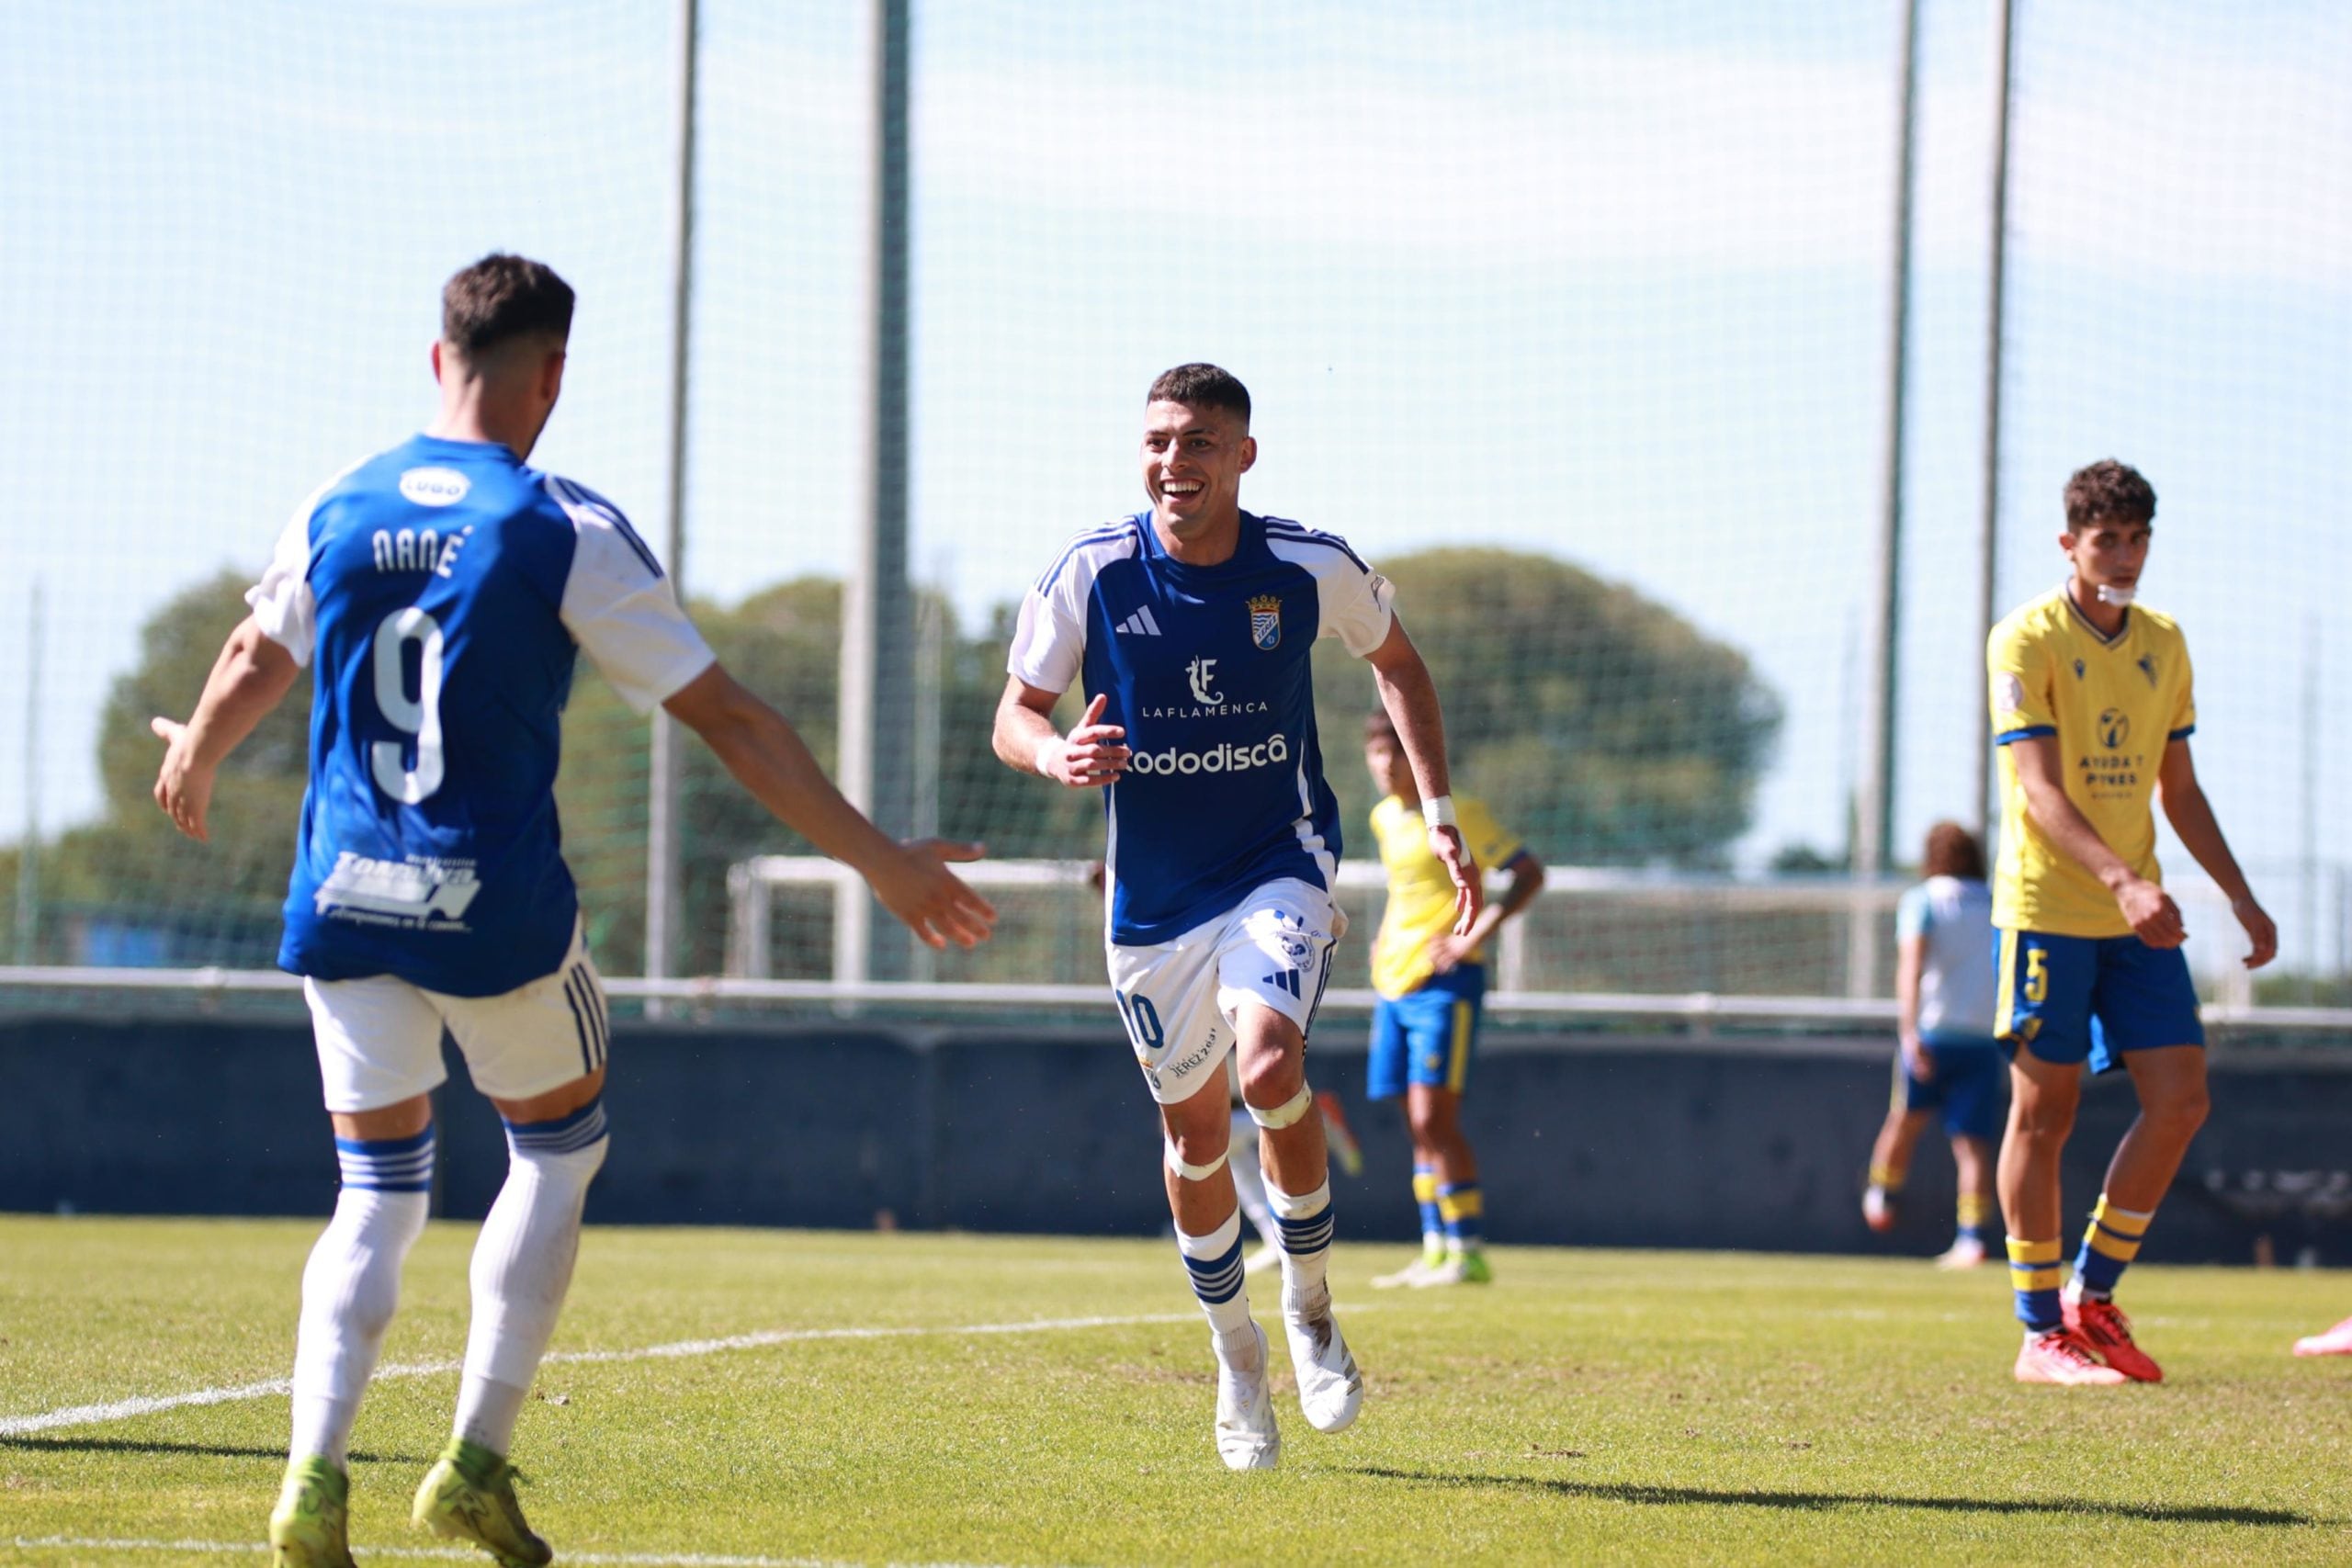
(420, 716)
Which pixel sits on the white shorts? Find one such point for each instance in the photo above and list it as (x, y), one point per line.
(1179, 999)
(379, 1039)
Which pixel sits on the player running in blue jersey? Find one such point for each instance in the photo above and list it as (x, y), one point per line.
(1189, 625)
(445, 590)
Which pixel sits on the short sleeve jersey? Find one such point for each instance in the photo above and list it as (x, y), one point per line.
(443, 590)
(1421, 893)
(2114, 704)
(1952, 917)
(1207, 669)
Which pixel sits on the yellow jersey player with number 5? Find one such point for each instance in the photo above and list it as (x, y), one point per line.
(2092, 707)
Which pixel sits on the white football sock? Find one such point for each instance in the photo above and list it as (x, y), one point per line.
(352, 1286)
(1306, 1224)
(1214, 1261)
(522, 1268)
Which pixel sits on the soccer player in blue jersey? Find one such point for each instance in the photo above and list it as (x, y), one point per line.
(445, 590)
(1189, 625)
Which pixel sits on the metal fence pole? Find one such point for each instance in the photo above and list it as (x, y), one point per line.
(1988, 526)
(877, 621)
(1874, 826)
(663, 772)
(28, 850)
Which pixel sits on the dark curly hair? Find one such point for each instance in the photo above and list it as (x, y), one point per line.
(2108, 491)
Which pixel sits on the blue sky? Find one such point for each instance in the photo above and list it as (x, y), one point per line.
(1603, 280)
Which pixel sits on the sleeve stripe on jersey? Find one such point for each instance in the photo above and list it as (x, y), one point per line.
(1283, 528)
(1108, 534)
(2028, 733)
(2183, 733)
(571, 496)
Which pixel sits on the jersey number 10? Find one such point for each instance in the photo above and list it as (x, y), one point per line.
(420, 716)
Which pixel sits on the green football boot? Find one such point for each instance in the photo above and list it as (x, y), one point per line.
(1468, 1267)
(310, 1528)
(469, 1495)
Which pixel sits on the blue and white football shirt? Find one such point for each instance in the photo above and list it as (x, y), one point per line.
(445, 590)
(1207, 669)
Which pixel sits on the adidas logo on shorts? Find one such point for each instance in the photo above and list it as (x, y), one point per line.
(1282, 979)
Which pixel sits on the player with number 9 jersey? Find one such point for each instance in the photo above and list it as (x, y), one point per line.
(444, 589)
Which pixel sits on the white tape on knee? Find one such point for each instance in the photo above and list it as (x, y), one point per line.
(1195, 1172)
(1288, 1112)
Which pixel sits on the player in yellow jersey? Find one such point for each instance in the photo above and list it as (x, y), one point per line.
(2092, 710)
(1432, 984)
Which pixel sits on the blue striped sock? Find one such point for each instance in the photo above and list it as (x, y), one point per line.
(1462, 1209)
(387, 1164)
(1306, 1223)
(566, 1135)
(2033, 1277)
(1214, 1262)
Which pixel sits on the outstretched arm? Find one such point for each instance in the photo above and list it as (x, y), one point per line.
(2041, 773)
(251, 677)
(768, 758)
(2192, 816)
(1410, 697)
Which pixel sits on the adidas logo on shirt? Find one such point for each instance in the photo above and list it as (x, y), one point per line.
(1140, 624)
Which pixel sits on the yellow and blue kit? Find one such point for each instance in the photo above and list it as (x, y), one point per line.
(2074, 983)
(1425, 1023)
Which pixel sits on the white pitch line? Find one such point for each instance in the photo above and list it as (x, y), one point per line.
(149, 1404)
(459, 1554)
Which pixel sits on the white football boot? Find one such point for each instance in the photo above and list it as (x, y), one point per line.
(1247, 1437)
(1330, 1390)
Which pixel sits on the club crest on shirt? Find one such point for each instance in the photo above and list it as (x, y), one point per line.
(1266, 621)
(2148, 668)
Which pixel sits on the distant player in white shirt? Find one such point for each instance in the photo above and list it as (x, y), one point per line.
(1947, 1062)
(445, 590)
(1188, 626)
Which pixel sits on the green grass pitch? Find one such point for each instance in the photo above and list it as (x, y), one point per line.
(1590, 1406)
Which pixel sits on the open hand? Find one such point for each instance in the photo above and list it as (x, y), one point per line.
(1089, 756)
(183, 785)
(1918, 1060)
(935, 904)
(2259, 929)
(1469, 896)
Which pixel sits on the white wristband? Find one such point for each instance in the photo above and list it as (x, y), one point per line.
(1438, 812)
(1042, 760)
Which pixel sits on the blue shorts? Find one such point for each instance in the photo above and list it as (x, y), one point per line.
(1426, 1035)
(2075, 998)
(1966, 1086)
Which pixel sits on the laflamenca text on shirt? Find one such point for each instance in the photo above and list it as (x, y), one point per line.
(1220, 758)
(409, 894)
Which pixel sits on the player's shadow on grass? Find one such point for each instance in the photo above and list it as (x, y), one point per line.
(1634, 1492)
(217, 1450)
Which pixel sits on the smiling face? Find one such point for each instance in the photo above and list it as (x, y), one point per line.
(1193, 462)
(2106, 553)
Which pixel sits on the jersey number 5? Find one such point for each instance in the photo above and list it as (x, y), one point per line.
(420, 716)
